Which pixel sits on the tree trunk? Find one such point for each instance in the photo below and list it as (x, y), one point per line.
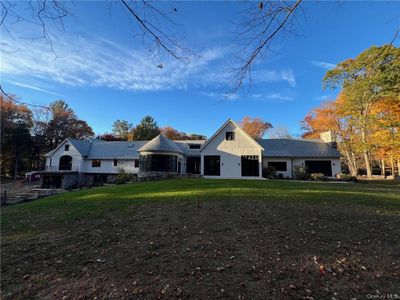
(383, 168)
(392, 165)
(367, 164)
(398, 168)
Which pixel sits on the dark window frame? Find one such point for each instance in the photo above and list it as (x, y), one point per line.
(136, 163)
(278, 165)
(115, 162)
(250, 165)
(194, 146)
(96, 163)
(230, 136)
(212, 165)
(66, 147)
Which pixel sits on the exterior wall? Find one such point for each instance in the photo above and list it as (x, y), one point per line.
(285, 174)
(77, 160)
(230, 152)
(107, 166)
(335, 164)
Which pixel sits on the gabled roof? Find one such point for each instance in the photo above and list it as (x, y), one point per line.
(238, 127)
(161, 144)
(288, 147)
(83, 147)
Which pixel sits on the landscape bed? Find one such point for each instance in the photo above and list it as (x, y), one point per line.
(194, 238)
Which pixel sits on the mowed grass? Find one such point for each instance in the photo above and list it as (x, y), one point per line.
(377, 197)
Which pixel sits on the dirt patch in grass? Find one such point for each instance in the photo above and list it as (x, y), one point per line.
(224, 249)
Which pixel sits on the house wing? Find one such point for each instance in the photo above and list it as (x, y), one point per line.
(230, 121)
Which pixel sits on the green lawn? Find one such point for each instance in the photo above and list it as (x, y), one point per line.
(49, 246)
(380, 197)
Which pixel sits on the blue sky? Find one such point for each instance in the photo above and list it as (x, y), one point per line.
(106, 73)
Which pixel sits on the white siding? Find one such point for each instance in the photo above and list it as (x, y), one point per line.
(107, 166)
(230, 152)
(77, 160)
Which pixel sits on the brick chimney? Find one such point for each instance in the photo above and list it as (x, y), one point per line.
(329, 137)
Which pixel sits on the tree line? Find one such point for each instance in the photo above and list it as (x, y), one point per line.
(366, 114)
(27, 134)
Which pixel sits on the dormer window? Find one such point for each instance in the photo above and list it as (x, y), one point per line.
(230, 136)
(194, 146)
(66, 147)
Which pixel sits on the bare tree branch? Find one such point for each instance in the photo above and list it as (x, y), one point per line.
(260, 26)
(159, 37)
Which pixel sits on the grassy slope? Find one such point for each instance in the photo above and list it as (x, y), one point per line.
(98, 202)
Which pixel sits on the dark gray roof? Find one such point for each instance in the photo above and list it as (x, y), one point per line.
(83, 147)
(297, 148)
(115, 150)
(161, 144)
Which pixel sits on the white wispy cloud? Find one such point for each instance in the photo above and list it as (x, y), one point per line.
(272, 97)
(323, 64)
(275, 76)
(325, 97)
(80, 61)
(32, 87)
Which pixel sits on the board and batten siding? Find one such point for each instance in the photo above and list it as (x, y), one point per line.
(230, 152)
(77, 159)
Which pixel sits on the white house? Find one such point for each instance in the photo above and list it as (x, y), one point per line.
(229, 153)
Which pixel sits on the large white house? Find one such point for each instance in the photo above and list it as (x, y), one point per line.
(229, 153)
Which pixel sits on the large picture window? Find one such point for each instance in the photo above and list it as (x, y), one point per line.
(319, 166)
(158, 163)
(212, 165)
(193, 165)
(250, 166)
(278, 165)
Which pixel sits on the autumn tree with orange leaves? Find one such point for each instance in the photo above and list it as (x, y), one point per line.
(255, 127)
(366, 114)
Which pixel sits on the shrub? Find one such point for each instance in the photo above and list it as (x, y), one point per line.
(301, 173)
(123, 177)
(318, 177)
(347, 177)
(269, 172)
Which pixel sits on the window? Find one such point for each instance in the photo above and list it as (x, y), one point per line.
(212, 165)
(66, 148)
(319, 166)
(158, 163)
(193, 165)
(278, 165)
(96, 163)
(250, 166)
(194, 146)
(115, 162)
(230, 136)
(136, 163)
